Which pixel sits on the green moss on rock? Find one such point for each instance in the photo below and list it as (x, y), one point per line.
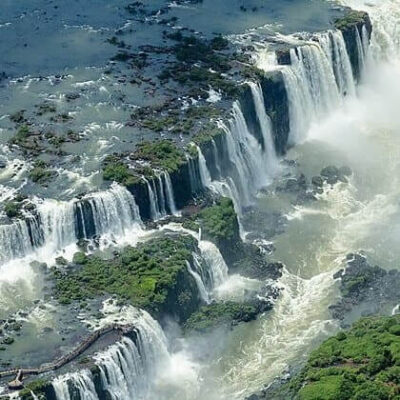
(13, 209)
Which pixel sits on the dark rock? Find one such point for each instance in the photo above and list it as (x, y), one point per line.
(283, 57)
(330, 174)
(317, 181)
(277, 107)
(365, 289)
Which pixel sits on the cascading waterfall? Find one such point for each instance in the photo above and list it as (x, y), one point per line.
(194, 174)
(78, 385)
(126, 367)
(335, 50)
(19, 238)
(208, 267)
(266, 128)
(385, 40)
(58, 224)
(360, 49)
(197, 272)
(161, 196)
(113, 211)
(169, 193)
(318, 78)
(251, 164)
(216, 266)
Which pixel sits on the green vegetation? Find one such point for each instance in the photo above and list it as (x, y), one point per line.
(22, 134)
(360, 364)
(192, 49)
(40, 172)
(116, 170)
(216, 314)
(352, 18)
(39, 387)
(201, 64)
(202, 78)
(146, 275)
(176, 121)
(207, 132)
(13, 209)
(219, 222)
(163, 154)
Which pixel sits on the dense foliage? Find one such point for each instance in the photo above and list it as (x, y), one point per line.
(360, 364)
(163, 154)
(144, 275)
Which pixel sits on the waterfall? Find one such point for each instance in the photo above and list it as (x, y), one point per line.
(335, 50)
(360, 50)
(170, 193)
(126, 368)
(161, 196)
(113, 211)
(58, 224)
(34, 397)
(208, 267)
(225, 188)
(215, 263)
(75, 386)
(19, 238)
(319, 76)
(266, 128)
(123, 371)
(204, 172)
(154, 211)
(246, 170)
(194, 174)
(197, 273)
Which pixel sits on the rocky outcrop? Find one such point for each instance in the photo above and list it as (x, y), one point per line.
(277, 107)
(365, 289)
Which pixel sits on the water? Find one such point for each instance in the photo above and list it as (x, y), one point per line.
(161, 196)
(317, 80)
(58, 224)
(252, 164)
(80, 383)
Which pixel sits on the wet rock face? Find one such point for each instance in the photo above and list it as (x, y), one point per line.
(365, 289)
(277, 107)
(333, 175)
